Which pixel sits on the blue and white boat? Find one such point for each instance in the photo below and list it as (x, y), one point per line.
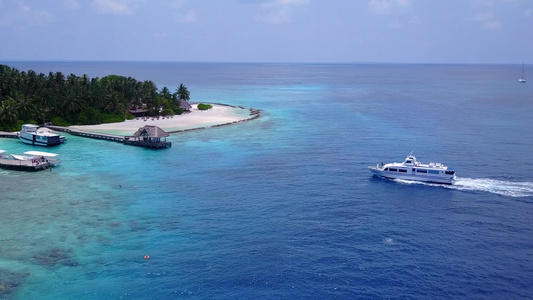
(413, 170)
(33, 135)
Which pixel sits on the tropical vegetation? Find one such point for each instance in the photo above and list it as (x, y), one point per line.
(202, 106)
(28, 97)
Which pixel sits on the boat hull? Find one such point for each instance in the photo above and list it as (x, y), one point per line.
(39, 140)
(446, 179)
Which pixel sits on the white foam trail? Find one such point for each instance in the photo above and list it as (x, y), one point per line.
(499, 187)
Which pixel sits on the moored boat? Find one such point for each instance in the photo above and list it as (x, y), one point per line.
(50, 158)
(30, 161)
(21, 157)
(33, 135)
(413, 170)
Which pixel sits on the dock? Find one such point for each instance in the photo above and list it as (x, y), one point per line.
(24, 165)
(92, 135)
(149, 136)
(11, 135)
(147, 143)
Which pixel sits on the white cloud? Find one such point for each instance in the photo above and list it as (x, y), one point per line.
(488, 21)
(290, 2)
(161, 34)
(188, 17)
(387, 6)
(279, 11)
(278, 17)
(25, 16)
(484, 2)
(495, 24)
(180, 12)
(484, 17)
(72, 4)
(118, 7)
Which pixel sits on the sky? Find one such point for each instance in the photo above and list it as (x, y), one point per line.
(330, 31)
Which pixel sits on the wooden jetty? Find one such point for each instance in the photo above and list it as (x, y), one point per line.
(12, 135)
(30, 161)
(24, 165)
(148, 136)
(92, 135)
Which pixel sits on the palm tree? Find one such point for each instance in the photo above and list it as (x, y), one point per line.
(26, 109)
(71, 104)
(183, 92)
(8, 111)
(165, 93)
(148, 92)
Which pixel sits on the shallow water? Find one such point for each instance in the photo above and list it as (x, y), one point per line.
(284, 207)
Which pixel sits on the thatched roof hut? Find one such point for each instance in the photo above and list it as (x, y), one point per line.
(150, 131)
(149, 136)
(185, 105)
(139, 112)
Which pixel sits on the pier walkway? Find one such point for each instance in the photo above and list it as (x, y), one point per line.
(24, 165)
(92, 135)
(112, 137)
(12, 135)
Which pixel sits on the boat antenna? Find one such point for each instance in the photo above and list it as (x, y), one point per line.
(411, 153)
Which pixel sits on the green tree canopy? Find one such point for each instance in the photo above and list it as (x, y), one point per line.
(31, 97)
(183, 92)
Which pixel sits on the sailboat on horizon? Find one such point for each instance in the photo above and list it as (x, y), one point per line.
(522, 79)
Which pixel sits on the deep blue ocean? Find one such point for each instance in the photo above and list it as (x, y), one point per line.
(284, 207)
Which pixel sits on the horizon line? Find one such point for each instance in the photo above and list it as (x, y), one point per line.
(251, 62)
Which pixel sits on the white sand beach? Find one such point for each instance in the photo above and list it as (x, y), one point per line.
(218, 115)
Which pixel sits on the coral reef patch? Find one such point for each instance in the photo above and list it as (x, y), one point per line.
(9, 281)
(55, 256)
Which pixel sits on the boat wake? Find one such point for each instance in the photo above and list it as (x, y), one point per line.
(499, 187)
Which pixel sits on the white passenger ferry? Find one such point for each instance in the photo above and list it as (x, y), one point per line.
(411, 169)
(33, 135)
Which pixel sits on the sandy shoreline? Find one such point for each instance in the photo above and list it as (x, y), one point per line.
(216, 116)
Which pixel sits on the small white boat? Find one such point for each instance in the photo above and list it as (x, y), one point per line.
(413, 170)
(522, 79)
(51, 158)
(21, 157)
(33, 135)
(30, 161)
(39, 157)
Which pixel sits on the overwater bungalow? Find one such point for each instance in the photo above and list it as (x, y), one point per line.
(149, 136)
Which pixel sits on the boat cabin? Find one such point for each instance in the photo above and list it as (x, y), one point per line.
(412, 166)
(410, 161)
(29, 128)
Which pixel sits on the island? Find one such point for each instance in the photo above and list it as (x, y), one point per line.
(113, 104)
(218, 115)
